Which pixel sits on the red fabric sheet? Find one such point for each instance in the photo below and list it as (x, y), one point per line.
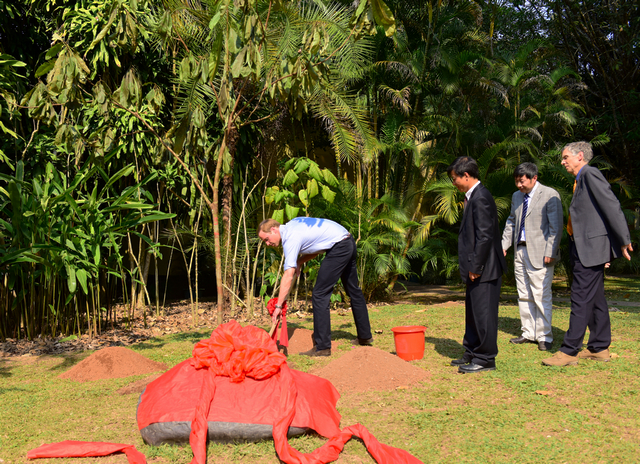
(238, 375)
(82, 449)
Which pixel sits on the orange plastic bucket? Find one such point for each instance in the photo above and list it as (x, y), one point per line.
(409, 341)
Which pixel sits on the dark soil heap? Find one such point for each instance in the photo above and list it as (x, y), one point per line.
(300, 340)
(112, 363)
(368, 368)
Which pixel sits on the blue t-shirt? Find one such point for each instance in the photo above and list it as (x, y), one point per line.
(306, 236)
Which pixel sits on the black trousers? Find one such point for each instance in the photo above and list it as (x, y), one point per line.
(481, 322)
(588, 308)
(339, 263)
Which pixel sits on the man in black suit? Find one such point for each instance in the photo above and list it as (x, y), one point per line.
(598, 232)
(481, 263)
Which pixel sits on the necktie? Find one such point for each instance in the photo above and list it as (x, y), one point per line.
(569, 226)
(465, 201)
(525, 205)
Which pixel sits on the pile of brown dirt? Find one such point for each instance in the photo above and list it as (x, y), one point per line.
(300, 340)
(112, 363)
(370, 369)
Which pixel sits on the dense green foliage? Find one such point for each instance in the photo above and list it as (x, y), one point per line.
(133, 130)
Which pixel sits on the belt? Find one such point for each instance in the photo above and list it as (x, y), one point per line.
(522, 244)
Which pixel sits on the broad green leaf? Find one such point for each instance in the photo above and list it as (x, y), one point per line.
(329, 178)
(383, 17)
(328, 194)
(238, 63)
(215, 20)
(181, 134)
(81, 275)
(291, 211)
(6, 130)
(316, 173)
(304, 197)
(7, 226)
(280, 195)
(278, 215)
(72, 283)
(53, 51)
(312, 188)
(45, 67)
(269, 195)
(289, 178)
(234, 41)
(301, 165)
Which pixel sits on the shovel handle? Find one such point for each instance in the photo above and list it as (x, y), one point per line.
(274, 326)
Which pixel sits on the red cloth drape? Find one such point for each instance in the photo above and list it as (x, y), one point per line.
(236, 368)
(82, 449)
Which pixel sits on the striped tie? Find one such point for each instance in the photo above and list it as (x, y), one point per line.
(569, 226)
(525, 205)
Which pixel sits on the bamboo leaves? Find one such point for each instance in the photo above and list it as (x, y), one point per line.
(58, 233)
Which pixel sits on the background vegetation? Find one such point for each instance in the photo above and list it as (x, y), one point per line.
(137, 136)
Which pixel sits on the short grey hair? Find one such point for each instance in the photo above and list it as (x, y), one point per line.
(577, 147)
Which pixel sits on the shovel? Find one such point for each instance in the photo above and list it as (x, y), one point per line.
(274, 326)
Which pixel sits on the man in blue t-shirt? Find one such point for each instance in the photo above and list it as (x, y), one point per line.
(303, 239)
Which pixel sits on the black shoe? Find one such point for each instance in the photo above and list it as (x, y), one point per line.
(363, 341)
(520, 340)
(460, 362)
(473, 367)
(544, 346)
(315, 352)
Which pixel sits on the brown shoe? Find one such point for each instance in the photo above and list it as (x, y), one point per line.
(561, 359)
(315, 352)
(599, 356)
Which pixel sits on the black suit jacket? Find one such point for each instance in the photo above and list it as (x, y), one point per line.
(479, 241)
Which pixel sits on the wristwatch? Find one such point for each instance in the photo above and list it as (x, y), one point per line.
(279, 306)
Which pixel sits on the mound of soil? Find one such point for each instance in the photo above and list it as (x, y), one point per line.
(300, 340)
(112, 363)
(370, 369)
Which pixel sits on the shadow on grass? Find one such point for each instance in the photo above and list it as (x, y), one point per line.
(510, 325)
(5, 368)
(156, 342)
(446, 347)
(68, 361)
(513, 326)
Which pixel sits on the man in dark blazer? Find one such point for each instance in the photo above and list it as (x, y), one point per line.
(599, 233)
(481, 263)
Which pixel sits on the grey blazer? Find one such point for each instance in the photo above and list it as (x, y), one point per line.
(543, 224)
(599, 226)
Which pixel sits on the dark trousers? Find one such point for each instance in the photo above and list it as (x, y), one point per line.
(339, 263)
(481, 322)
(588, 308)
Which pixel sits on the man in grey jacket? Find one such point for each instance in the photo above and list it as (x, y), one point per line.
(598, 232)
(534, 228)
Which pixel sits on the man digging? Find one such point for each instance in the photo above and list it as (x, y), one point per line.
(303, 239)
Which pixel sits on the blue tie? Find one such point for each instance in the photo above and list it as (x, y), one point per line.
(525, 205)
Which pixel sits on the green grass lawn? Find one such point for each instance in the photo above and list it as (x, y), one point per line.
(523, 412)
